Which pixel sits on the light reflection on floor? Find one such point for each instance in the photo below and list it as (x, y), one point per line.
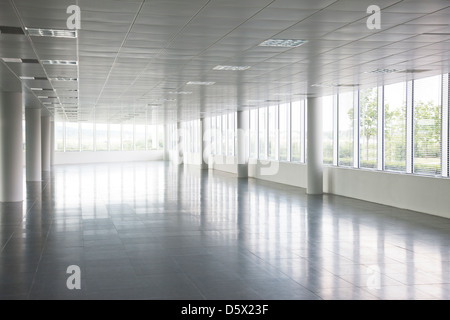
(157, 231)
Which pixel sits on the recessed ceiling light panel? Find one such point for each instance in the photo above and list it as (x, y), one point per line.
(54, 33)
(231, 68)
(180, 92)
(60, 62)
(201, 83)
(12, 60)
(284, 43)
(63, 79)
(383, 70)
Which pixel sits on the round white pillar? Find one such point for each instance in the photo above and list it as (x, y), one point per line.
(33, 144)
(11, 147)
(45, 143)
(314, 148)
(242, 144)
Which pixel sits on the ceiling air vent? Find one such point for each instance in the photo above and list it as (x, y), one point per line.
(30, 61)
(11, 30)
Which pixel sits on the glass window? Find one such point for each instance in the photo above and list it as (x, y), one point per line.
(151, 137)
(87, 136)
(262, 124)
(328, 129)
(231, 121)
(128, 137)
(368, 128)
(213, 135)
(346, 129)
(273, 133)
(101, 137)
(253, 134)
(427, 125)
(284, 131)
(224, 134)
(297, 131)
(219, 135)
(115, 137)
(395, 127)
(139, 137)
(72, 136)
(160, 137)
(59, 133)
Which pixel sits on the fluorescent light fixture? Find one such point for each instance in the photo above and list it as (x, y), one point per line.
(54, 33)
(201, 83)
(436, 34)
(32, 78)
(63, 79)
(60, 62)
(12, 60)
(346, 84)
(322, 85)
(231, 68)
(41, 89)
(284, 43)
(180, 92)
(383, 70)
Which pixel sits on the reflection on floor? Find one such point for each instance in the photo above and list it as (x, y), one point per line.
(158, 231)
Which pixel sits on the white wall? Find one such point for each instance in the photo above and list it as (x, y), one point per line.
(192, 158)
(223, 163)
(418, 193)
(105, 156)
(293, 174)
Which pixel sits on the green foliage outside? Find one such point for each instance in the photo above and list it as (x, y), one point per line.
(427, 136)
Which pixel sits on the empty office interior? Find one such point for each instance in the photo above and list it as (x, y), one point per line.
(224, 149)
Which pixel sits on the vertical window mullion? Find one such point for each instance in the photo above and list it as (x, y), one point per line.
(288, 132)
(335, 129)
(278, 134)
(267, 133)
(108, 136)
(356, 146)
(64, 135)
(95, 132)
(380, 129)
(410, 127)
(445, 125)
(257, 133)
(302, 132)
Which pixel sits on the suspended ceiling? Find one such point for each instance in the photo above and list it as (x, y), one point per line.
(134, 59)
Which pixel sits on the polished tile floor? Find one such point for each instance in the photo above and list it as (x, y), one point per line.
(157, 231)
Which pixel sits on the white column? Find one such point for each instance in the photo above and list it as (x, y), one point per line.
(242, 144)
(179, 155)
(11, 153)
(205, 139)
(33, 144)
(314, 145)
(45, 143)
(166, 143)
(52, 142)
